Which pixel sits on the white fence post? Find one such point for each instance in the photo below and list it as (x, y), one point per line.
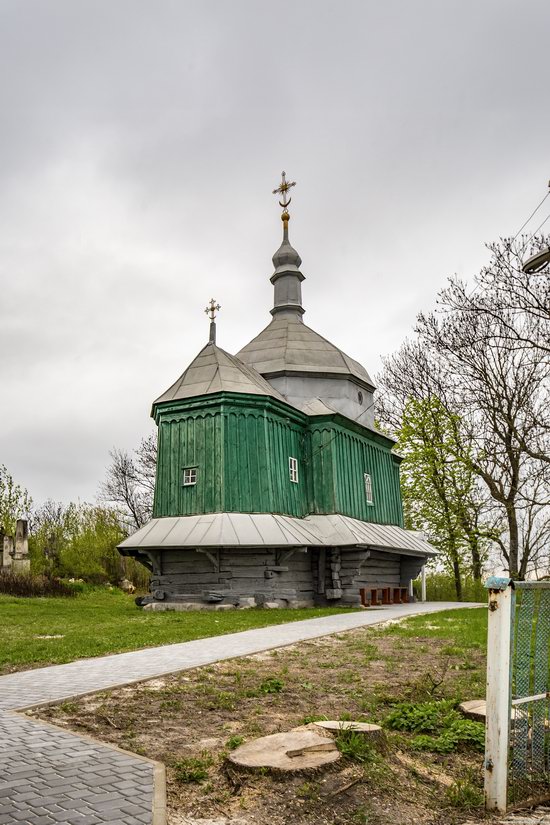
(499, 634)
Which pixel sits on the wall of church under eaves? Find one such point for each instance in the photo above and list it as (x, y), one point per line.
(340, 457)
(240, 452)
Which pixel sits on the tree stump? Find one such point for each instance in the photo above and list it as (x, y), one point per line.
(374, 733)
(304, 750)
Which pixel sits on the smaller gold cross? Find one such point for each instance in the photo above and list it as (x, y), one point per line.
(212, 309)
(283, 189)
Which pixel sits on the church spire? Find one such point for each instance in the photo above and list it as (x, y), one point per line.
(287, 278)
(211, 310)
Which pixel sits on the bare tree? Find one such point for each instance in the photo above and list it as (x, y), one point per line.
(500, 391)
(130, 482)
(518, 301)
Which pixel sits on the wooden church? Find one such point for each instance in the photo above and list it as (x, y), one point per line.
(273, 485)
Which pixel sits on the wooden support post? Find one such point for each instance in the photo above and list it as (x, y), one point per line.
(499, 638)
(423, 580)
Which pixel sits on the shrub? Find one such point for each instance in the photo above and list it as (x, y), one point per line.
(80, 541)
(440, 587)
(26, 584)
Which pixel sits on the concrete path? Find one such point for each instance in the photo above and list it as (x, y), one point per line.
(51, 776)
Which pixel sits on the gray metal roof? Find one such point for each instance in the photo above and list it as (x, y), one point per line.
(215, 370)
(288, 345)
(269, 530)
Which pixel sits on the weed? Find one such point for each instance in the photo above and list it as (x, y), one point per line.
(170, 705)
(424, 717)
(234, 742)
(272, 686)
(307, 720)
(354, 746)
(221, 700)
(361, 816)
(308, 790)
(438, 726)
(68, 707)
(350, 677)
(192, 769)
(463, 794)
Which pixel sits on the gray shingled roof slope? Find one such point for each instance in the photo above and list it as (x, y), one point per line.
(287, 345)
(215, 370)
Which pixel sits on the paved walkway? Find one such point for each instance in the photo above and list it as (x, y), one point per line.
(51, 776)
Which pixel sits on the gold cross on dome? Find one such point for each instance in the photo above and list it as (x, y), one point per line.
(212, 308)
(283, 189)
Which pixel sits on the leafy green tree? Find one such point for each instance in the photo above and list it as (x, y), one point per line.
(80, 541)
(440, 487)
(15, 502)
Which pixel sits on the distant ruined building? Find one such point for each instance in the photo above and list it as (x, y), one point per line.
(15, 550)
(273, 485)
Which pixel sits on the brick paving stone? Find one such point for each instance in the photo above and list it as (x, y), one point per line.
(49, 771)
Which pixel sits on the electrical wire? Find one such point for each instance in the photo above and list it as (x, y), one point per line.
(540, 226)
(534, 212)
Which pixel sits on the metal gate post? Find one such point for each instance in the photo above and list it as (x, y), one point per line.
(499, 642)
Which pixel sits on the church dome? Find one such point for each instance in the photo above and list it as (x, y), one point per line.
(286, 257)
(287, 345)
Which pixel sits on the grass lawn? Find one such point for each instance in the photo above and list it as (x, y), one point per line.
(192, 719)
(42, 631)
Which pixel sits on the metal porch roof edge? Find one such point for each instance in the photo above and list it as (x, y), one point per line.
(273, 530)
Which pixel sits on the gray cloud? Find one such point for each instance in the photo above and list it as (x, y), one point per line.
(139, 145)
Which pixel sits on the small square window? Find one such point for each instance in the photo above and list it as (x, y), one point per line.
(189, 476)
(293, 469)
(368, 488)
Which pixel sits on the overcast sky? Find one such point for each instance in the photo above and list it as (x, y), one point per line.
(140, 142)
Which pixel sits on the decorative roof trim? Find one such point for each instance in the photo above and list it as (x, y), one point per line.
(315, 372)
(203, 402)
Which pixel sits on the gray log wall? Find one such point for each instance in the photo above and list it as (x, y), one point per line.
(296, 577)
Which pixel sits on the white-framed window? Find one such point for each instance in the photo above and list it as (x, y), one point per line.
(293, 469)
(189, 476)
(368, 488)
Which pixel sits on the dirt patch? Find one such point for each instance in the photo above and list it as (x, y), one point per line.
(191, 720)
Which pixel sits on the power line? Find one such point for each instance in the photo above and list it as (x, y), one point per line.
(530, 238)
(540, 226)
(534, 212)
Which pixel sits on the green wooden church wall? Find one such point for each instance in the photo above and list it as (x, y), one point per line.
(340, 458)
(241, 453)
(241, 448)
